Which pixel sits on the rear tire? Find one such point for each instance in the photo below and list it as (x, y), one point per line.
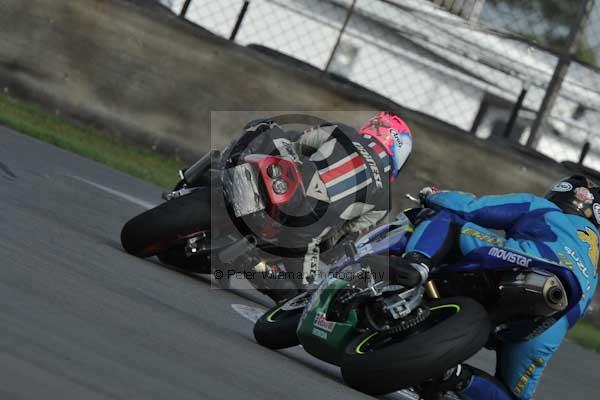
(376, 363)
(156, 230)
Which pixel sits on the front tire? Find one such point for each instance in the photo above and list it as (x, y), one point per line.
(156, 230)
(276, 329)
(376, 363)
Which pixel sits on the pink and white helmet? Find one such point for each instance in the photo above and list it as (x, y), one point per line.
(393, 134)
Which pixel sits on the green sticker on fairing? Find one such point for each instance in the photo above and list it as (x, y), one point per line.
(320, 337)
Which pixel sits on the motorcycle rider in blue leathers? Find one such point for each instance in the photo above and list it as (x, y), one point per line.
(561, 228)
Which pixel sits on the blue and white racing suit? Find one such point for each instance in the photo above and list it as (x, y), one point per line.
(538, 230)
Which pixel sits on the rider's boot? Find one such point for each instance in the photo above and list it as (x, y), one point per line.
(456, 379)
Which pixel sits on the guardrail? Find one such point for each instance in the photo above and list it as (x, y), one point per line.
(470, 63)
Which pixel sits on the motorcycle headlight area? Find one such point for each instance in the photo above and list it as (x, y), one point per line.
(242, 190)
(274, 171)
(280, 186)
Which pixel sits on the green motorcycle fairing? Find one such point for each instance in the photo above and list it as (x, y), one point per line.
(325, 339)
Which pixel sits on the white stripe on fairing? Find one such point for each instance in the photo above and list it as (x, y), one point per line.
(116, 193)
(372, 144)
(346, 175)
(352, 190)
(382, 154)
(337, 164)
(387, 168)
(366, 136)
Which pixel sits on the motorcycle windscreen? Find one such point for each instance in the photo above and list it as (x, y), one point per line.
(242, 190)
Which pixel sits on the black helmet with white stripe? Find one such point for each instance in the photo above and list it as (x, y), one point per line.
(577, 195)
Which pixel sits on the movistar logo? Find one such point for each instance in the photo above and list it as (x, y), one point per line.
(510, 257)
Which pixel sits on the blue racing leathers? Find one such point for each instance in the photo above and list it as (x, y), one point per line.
(537, 232)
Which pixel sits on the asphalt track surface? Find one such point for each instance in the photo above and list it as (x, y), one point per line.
(81, 319)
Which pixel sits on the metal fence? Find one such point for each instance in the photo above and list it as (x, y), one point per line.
(521, 69)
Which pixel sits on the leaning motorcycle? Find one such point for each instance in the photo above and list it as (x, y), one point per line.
(387, 337)
(201, 223)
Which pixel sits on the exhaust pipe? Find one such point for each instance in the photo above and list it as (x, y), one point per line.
(238, 249)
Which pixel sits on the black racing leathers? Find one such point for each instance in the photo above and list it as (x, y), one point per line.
(345, 190)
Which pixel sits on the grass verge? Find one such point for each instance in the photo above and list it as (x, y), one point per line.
(587, 335)
(89, 142)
